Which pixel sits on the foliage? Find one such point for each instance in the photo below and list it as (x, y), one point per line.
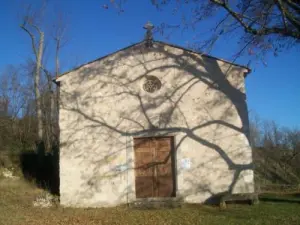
(270, 168)
(18, 122)
(276, 152)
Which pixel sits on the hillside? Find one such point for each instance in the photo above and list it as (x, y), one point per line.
(272, 166)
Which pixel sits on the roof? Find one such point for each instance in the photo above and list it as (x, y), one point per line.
(160, 42)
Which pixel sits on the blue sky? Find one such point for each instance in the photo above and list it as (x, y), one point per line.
(273, 91)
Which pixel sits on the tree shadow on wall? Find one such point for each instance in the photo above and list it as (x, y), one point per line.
(125, 110)
(42, 168)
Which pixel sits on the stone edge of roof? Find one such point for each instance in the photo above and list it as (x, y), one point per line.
(160, 42)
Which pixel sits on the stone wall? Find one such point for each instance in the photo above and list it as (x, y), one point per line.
(201, 103)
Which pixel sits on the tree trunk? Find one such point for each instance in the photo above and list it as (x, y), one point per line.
(36, 88)
(50, 115)
(57, 57)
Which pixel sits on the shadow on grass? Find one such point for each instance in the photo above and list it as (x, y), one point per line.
(42, 168)
(284, 198)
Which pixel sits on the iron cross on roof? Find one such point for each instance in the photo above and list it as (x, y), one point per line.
(149, 36)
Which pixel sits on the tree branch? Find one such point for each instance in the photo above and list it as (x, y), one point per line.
(249, 29)
(38, 29)
(289, 16)
(281, 9)
(293, 5)
(32, 39)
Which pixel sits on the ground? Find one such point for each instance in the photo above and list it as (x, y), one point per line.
(17, 196)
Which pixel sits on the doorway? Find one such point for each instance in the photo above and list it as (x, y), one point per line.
(154, 167)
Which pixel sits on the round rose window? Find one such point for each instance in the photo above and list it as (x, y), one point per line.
(152, 84)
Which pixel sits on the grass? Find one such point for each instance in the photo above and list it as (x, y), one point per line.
(16, 208)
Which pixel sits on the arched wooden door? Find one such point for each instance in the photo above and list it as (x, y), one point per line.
(154, 167)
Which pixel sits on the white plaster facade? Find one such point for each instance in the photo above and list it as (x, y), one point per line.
(103, 106)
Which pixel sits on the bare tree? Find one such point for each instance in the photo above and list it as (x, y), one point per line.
(15, 129)
(11, 90)
(60, 40)
(273, 135)
(36, 28)
(263, 25)
(255, 130)
(37, 36)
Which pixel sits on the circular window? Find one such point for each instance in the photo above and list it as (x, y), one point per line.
(152, 84)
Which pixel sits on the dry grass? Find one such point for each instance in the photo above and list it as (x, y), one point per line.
(16, 207)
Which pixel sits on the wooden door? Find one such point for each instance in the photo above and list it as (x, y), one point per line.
(144, 171)
(154, 167)
(164, 177)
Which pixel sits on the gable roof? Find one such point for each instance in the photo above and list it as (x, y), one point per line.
(159, 42)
